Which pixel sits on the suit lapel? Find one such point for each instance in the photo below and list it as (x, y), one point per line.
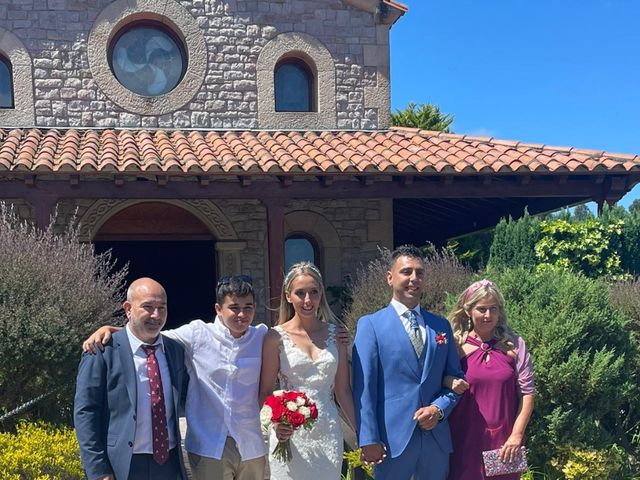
(406, 348)
(172, 363)
(429, 342)
(126, 361)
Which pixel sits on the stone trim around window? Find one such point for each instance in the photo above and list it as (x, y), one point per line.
(326, 238)
(168, 12)
(319, 60)
(23, 112)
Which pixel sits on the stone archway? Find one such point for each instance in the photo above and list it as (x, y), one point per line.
(185, 245)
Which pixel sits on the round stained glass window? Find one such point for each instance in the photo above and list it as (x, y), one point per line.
(148, 60)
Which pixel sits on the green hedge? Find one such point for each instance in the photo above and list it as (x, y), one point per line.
(585, 363)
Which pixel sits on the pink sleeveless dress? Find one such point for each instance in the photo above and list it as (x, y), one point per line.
(485, 414)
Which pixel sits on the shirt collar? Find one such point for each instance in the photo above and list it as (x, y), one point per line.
(401, 308)
(221, 328)
(136, 343)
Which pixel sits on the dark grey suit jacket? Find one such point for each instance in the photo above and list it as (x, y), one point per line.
(105, 405)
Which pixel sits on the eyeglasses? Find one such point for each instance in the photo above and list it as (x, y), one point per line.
(233, 278)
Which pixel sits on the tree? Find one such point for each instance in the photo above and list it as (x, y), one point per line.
(635, 206)
(514, 243)
(591, 247)
(424, 116)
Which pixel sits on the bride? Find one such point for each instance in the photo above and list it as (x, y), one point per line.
(301, 352)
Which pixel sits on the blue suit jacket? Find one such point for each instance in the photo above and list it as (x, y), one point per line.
(105, 405)
(389, 385)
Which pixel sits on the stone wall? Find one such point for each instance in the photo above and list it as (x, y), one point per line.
(68, 91)
(361, 226)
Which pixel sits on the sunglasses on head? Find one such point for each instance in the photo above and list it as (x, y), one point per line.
(231, 278)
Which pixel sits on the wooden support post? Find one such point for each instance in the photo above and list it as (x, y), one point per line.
(275, 252)
(43, 206)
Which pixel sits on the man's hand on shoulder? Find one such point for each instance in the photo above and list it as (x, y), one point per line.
(98, 339)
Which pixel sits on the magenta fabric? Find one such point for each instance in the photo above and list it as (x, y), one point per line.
(484, 417)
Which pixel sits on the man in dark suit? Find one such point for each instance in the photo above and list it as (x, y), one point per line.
(401, 355)
(126, 403)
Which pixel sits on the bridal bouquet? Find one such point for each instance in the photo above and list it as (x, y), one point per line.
(289, 408)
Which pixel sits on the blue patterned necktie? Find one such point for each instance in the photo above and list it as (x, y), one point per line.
(415, 336)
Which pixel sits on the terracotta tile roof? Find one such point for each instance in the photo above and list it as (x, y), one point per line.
(396, 151)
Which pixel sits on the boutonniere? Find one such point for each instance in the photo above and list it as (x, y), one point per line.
(441, 338)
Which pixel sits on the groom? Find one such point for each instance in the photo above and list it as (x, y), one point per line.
(401, 355)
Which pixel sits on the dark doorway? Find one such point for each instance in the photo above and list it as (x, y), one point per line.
(185, 268)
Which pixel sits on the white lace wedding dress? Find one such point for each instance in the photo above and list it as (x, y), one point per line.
(317, 453)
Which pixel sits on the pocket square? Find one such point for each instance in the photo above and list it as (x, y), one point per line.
(494, 466)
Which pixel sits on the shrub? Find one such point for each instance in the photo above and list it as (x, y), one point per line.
(630, 249)
(369, 290)
(53, 292)
(583, 357)
(577, 463)
(514, 243)
(591, 247)
(40, 452)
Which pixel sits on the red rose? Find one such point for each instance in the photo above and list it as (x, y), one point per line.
(273, 401)
(290, 396)
(313, 411)
(278, 412)
(296, 419)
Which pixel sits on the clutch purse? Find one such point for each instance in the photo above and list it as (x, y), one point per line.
(494, 466)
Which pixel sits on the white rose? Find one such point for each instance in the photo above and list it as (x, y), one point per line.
(278, 393)
(305, 411)
(265, 415)
(300, 401)
(292, 406)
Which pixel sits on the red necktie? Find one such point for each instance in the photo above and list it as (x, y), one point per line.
(158, 411)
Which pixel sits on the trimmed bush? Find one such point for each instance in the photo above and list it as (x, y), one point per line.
(40, 452)
(584, 358)
(53, 292)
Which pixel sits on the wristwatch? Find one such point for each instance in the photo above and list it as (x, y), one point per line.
(440, 412)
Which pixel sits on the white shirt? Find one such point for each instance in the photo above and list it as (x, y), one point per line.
(143, 442)
(222, 399)
(401, 310)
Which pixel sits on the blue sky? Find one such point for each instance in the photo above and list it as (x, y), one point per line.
(558, 72)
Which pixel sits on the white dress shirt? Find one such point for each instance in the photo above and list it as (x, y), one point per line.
(222, 399)
(401, 310)
(143, 442)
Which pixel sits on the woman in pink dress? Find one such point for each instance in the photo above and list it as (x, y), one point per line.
(495, 410)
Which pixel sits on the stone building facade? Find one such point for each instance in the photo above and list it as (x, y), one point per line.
(231, 46)
(233, 136)
(61, 58)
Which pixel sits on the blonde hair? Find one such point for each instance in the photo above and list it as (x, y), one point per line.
(460, 320)
(286, 311)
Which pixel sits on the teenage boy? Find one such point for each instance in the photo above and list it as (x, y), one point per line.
(223, 358)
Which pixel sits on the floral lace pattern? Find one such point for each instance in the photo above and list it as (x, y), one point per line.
(317, 453)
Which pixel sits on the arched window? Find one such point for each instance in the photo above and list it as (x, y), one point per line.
(294, 86)
(299, 248)
(148, 58)
(6, 83)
